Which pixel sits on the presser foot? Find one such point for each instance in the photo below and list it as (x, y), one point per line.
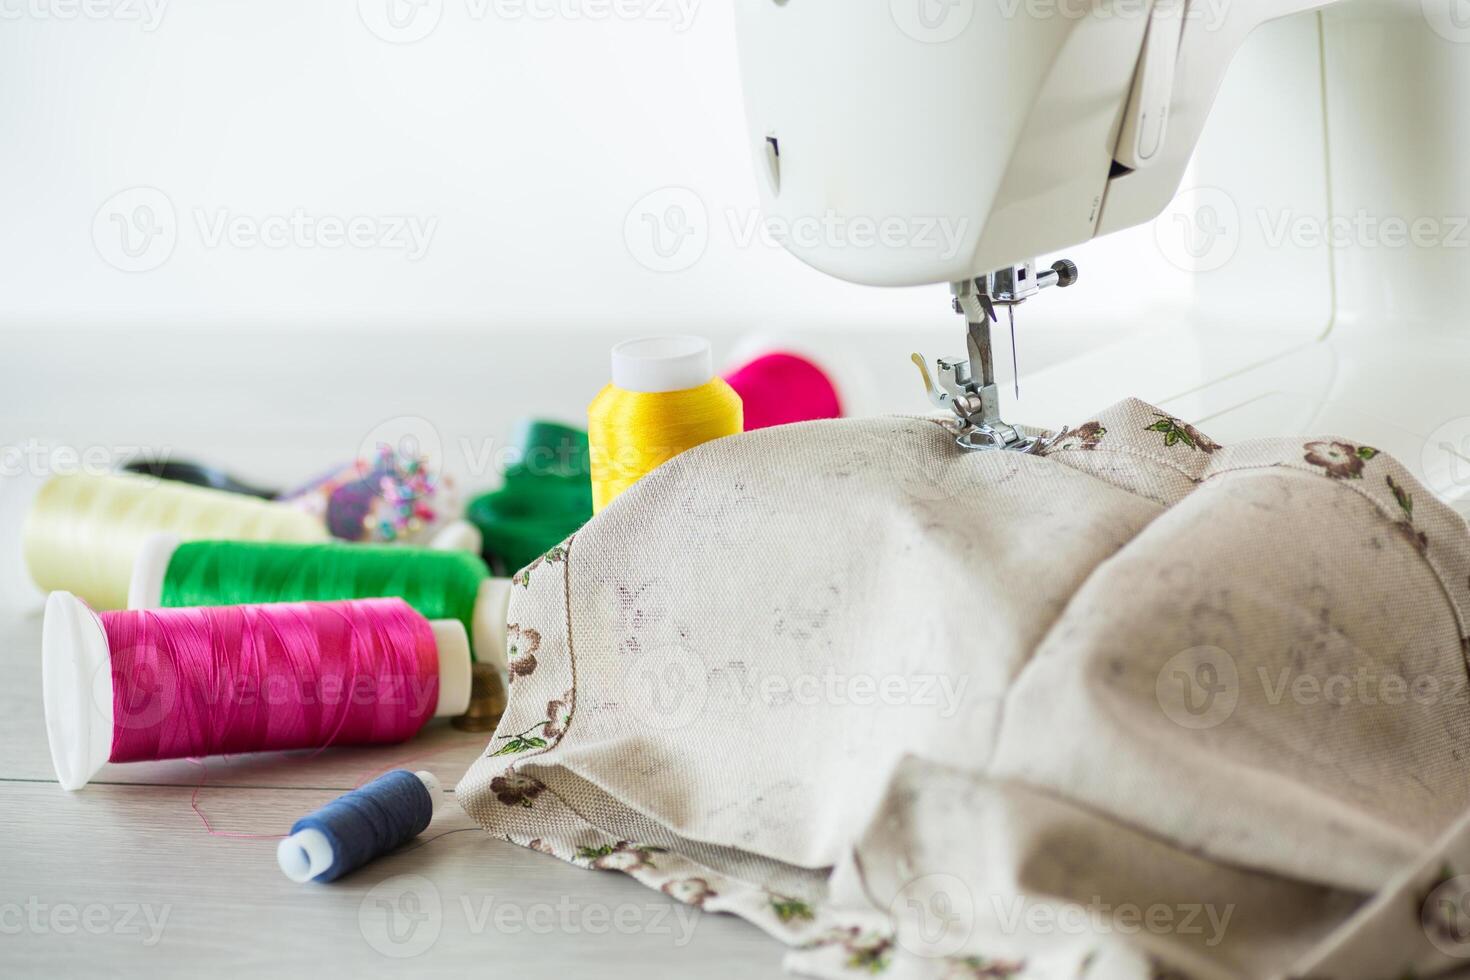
(976, 408)
(967, 386)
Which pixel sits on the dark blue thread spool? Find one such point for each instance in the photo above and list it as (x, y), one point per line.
(359, 826)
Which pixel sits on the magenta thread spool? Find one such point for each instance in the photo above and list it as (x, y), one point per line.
(781, 388)
(187, 683)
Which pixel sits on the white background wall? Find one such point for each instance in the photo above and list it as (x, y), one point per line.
(519, 133)
(526, 143)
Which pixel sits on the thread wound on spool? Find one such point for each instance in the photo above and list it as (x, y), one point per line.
(634, 431)
(83, 531)
(439, 584)
(546, 497)
(217, 681)
(780, 388)
(357, 827)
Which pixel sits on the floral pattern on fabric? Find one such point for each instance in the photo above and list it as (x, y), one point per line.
(514, 789)
(623, 856)
(790, 910)
(522, 644)
(1176, 432)
(1126, 446)
(558, 716)
(867, 952)
(1087, 436)
(690, 891)
(984, 968)
(554, 556)
(1341, 460)
(1406, 527)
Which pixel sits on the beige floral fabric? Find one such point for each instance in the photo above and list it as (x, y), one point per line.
(1141, 705)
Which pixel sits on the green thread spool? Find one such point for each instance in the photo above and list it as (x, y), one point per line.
(439, 584)
(546, 497)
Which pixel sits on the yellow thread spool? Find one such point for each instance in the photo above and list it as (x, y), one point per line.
(664, 399)
(83, 532)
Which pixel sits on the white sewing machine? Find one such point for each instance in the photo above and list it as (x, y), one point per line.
(1325, 280)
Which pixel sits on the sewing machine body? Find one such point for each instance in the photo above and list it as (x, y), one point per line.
(1290, 246)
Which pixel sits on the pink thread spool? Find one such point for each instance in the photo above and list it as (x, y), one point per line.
(184, 683)
(781, 388)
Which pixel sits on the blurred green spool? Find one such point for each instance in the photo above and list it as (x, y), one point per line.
(547, 496)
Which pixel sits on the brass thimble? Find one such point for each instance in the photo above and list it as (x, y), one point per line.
(487, 700)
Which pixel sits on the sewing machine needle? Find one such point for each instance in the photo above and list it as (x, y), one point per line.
(1015, 362)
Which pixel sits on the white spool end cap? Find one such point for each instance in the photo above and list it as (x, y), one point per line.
(435, 788)
(458, 535)
(658, 364)
(304, 854)
(76, 688)
(150, 568)
(492, 606)
(454, 667)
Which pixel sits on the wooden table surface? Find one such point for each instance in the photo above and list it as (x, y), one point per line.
(123, 877)
(81, 873)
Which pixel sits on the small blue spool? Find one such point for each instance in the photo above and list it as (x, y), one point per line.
(359, 826)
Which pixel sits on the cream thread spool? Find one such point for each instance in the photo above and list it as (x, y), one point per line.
(83, 532)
